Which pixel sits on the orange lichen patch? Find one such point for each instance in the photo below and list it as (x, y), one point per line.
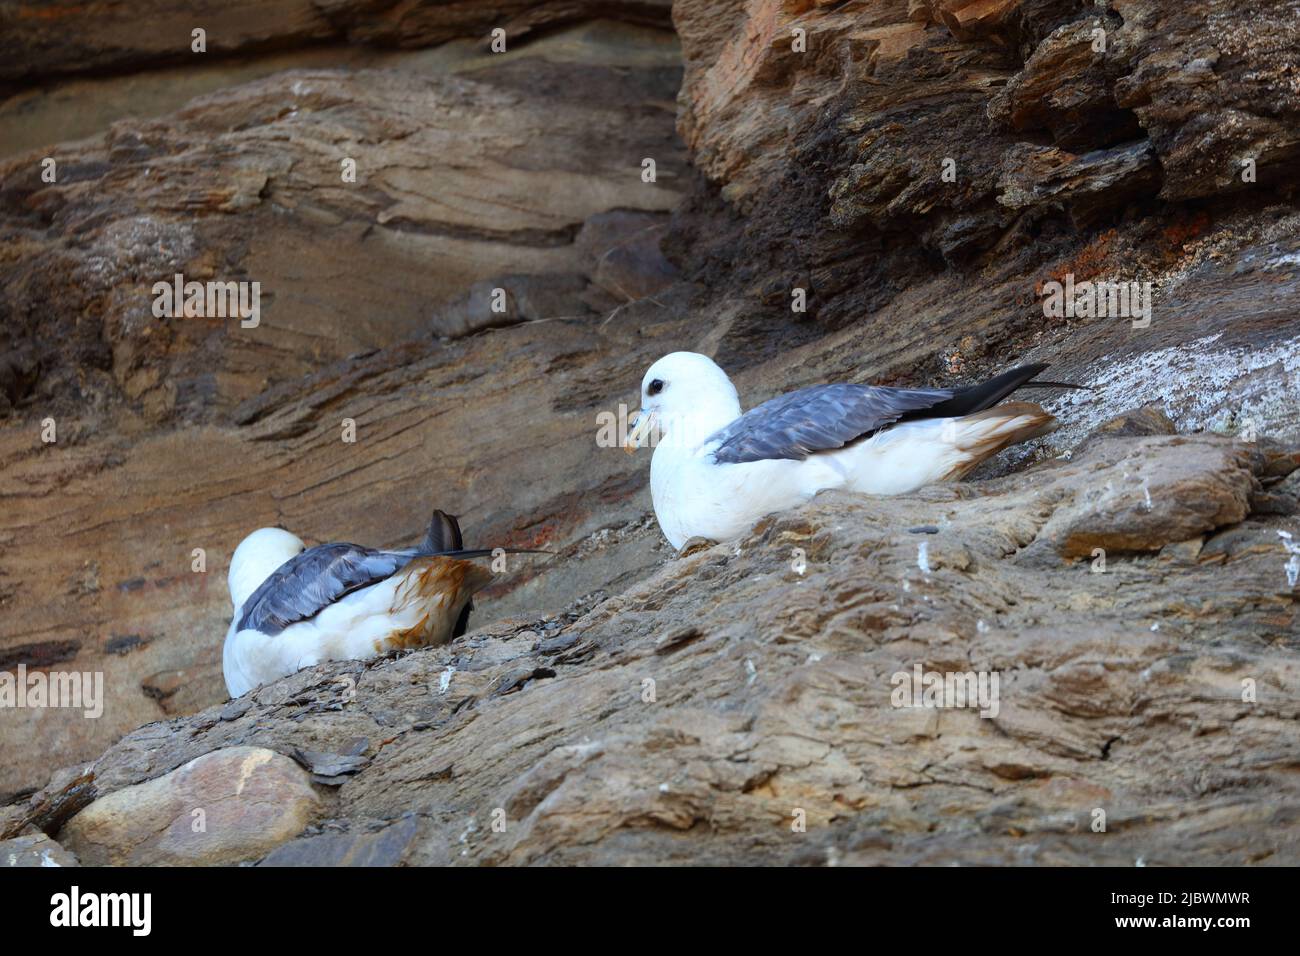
(51, 13)
(1092, 260)
(1181, 239)
(1185, 230)
(535, 536)
(438, 588)
(955, 359)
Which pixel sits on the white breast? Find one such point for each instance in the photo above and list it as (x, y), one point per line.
(694, 497)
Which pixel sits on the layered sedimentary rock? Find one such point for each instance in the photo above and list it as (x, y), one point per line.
(47, 39)
(523, 174)
(930, 173)
(741, 703)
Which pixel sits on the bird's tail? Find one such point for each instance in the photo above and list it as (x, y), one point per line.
(987, 394)
(443, 534)
(444, 540)
(977, 398)
(983, 434)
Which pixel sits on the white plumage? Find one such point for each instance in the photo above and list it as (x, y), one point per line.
(714, 474)
(335, 602)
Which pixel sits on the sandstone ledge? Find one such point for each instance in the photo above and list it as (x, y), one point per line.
(1120, 691)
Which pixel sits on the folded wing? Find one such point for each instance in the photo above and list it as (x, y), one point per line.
(308, 583)
(818, 418)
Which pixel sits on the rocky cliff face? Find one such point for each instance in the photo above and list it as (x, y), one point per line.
(920, 176)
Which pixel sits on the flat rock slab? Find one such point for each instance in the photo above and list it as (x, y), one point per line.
(227, 806)
(34, 850)
(383, 846)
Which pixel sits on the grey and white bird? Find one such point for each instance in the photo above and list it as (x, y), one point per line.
(715, 471)
(296, 606)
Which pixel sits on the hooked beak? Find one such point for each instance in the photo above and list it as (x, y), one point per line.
(639, 432)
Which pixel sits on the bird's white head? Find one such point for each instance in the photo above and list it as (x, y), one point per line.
(256, 558)
(685, 397)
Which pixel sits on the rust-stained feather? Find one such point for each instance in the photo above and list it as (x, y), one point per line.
(1038, 422)
(438, 587)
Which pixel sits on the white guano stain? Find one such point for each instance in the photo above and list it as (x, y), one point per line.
(1292, 566)
(1199, 386)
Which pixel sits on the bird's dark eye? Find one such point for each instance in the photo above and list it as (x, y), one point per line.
(656, 387)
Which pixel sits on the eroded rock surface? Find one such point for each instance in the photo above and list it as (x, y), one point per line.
(703, 712)
(48, 37)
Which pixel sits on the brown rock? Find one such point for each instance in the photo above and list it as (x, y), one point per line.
(1213, 89)
(1138, 421)
(1067, 87)
(625, 249)
(970, 18)
(1144, 502)
(68, 791)
(383, 845)
(771, 699)
(358, 280)
(248, 184)
(47, 37)
(1092, 186)
(227, 806)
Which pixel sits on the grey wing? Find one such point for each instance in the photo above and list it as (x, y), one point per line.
(311, 581)
(818, 418)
